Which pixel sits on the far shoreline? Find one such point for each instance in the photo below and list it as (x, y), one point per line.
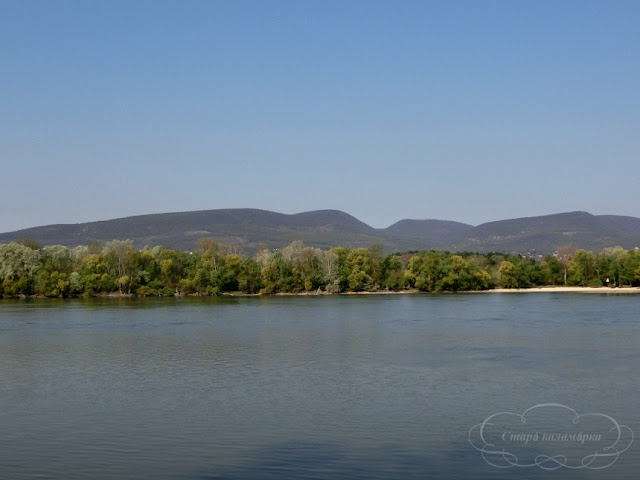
(563, 289)
(548, 289)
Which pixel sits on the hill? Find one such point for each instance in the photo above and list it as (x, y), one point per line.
(435, 230)
(248, 228)
(252, 229)
(545, 233)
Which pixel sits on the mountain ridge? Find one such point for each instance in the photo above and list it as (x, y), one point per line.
(252, 229)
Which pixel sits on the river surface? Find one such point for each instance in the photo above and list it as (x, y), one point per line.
(339, 387)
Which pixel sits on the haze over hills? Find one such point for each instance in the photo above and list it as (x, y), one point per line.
(252, 229)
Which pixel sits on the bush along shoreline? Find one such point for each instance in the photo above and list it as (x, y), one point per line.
(118, 268)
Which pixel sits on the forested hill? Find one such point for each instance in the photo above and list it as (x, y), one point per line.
(436, 230)
(247, 228)
(252, 229)
(545, 233)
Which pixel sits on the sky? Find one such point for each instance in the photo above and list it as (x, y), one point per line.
(460, 110)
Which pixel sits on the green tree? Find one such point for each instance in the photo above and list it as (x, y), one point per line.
(360, 267)
(376, 257)
(306, 267)
(18, 267)
(582, 269)
(553, 269)
(392, 273)
(277, 275)
(426, 270)
(122, 260)
(460, 274)
(249, 278)
(344, 269)
(57, 258)
(508, 275)
(608, 265)
(630, 268)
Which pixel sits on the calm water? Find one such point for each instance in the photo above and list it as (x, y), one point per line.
(356, 387)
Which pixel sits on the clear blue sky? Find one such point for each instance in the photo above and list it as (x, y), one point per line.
(471, 111)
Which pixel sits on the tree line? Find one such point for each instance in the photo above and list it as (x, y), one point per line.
(118, 267)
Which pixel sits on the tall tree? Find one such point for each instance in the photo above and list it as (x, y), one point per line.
(565, 253)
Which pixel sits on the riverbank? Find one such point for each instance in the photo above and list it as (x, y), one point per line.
(567, 290)
(550, 289)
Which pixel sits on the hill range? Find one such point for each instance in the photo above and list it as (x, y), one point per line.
(252, 229)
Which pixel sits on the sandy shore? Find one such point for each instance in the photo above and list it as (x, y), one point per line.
(552, 289)
(567, 289)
